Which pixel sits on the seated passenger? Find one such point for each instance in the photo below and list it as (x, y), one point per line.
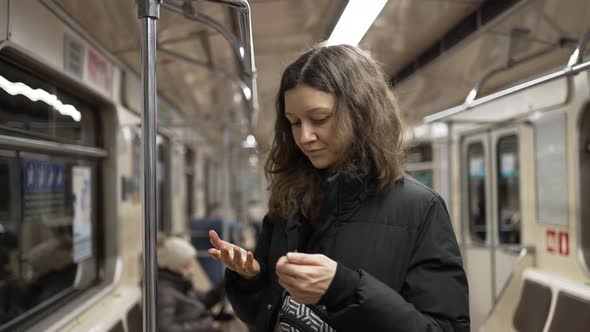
(53, 269)
(180, 306)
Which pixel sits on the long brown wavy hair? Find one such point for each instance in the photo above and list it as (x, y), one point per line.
(366, 114)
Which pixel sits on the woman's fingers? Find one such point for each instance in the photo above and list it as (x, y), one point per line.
(249, 265)
(234, 257)
(216, 254)
(226, 256)
(215, 240)
(237, 261)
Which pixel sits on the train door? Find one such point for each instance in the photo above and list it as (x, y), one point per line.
(491, 214)
(584, 169)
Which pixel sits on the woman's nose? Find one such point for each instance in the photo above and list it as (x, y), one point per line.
(307, 134)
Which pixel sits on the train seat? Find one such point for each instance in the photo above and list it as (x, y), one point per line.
(535, 302)
(117, 327)
(135, 319)
(572, 313)
(562, 304)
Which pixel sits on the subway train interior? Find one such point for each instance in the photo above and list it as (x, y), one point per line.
(496, 95)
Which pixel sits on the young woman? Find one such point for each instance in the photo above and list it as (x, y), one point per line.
(349, 243)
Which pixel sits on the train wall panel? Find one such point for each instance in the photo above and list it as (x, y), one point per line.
(52, 42)
(505, 264)
(553, 256)
(129, 196)
(4, 19)
(540, 97)
(479, 273)
(131, 92)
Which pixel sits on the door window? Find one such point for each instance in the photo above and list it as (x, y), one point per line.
(476, 187)
(509, 224)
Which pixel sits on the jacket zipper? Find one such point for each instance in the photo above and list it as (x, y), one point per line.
(320, 313)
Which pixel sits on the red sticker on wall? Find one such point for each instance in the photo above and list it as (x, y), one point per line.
(550, 240)
(564, 243)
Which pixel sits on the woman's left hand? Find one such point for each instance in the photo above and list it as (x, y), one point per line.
(306, 277)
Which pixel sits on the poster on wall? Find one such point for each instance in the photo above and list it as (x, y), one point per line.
(551, 169)
(82, 209)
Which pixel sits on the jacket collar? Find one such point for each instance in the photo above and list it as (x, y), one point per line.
(175, 279)
(345, 190)
(343, 196)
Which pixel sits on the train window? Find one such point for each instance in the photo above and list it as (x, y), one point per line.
(48, 203)
(51, 241)
(163, 183)
(189, 167)
(419, 153)
(476, 186)
(508, 190)
(51, 114)
(424, 176)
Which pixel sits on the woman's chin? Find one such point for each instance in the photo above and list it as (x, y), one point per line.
(320, 164)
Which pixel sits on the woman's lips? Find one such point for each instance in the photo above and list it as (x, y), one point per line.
(314, 153)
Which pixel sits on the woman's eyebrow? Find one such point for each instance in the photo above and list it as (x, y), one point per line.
(316, 109)
(311, 110)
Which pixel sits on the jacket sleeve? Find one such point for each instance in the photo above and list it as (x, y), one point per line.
(168, 322)
(211, 297)
(245, 295)
(434, 296)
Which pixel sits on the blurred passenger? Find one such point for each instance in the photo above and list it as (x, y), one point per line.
(11, 291)
(214, 212)
(350, 243)
(52, 269)
(180, 306)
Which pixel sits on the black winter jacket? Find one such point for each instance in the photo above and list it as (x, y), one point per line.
(180, 307)
(399, 266)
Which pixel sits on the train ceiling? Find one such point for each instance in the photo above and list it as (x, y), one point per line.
(284, 28)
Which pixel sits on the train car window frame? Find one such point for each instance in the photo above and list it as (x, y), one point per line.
(477, 170)
(508, 176)
(42, 154)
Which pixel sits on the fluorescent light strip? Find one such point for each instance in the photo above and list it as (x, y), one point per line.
(357, 18)
(39, 95)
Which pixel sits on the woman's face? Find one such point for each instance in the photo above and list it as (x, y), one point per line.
(311, 114)
(187, 270)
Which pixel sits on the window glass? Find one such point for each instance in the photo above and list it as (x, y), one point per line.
(53, 238)
(476, 186)
(164, 224)
(48, 202)
(425, 177)
(508, 191)
(419, 153)
(50, 114)
(190, 182)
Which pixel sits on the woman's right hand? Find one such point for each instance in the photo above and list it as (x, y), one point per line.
(234, 257)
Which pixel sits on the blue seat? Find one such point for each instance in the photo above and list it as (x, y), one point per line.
(199, 229)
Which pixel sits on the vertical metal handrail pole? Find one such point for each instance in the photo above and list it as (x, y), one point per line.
(148, 13)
